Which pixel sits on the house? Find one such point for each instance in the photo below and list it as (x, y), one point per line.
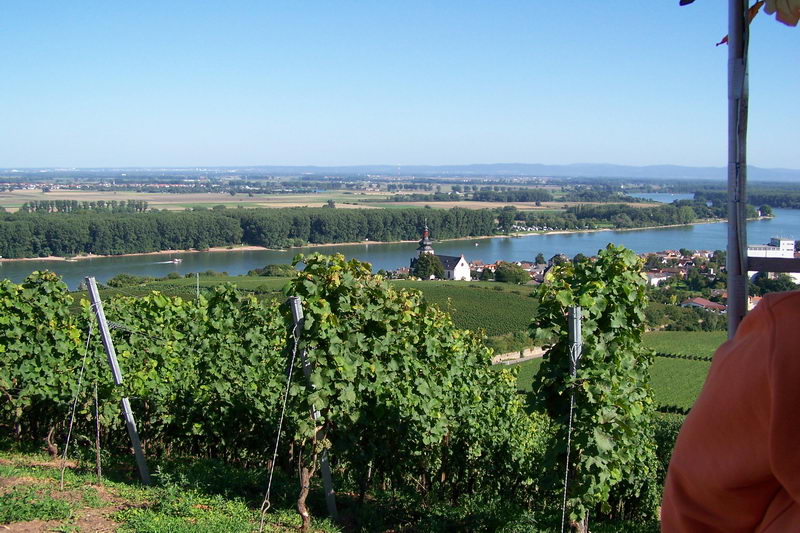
(655, 278)
(455, 267)
(702, 303)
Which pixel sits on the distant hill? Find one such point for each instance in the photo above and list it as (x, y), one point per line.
(578, 170)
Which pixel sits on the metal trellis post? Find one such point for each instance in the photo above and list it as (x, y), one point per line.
(111, 354)
(327, 480)
(575, 352)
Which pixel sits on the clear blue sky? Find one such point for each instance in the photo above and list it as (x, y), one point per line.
(142, 83)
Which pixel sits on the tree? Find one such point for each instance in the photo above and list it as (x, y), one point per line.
(506, 218)
(511, 273)
(427, 266)
(540, 260)
(762, 284)
(486, 275)
(765, 211)
(613, 452)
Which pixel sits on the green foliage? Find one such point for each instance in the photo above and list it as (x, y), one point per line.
(408, 400)
(428, 266)
(511, 273)
(39, 352)
(128, 280)
(280, 271)
(676, 382)
(185, 511)
(25, 503)
(764, 283)
(614, 455)
(666, 431)
(402, 389)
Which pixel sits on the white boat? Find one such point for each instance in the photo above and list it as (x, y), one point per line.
(176, 261)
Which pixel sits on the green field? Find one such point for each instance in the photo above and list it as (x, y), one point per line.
(497, 308)
(676, 382)
(685, 342)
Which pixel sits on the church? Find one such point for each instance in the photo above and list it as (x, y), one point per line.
(454, 267)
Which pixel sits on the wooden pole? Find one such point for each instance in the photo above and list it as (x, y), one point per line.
(738, 35)
(111, 354)
(327, 479)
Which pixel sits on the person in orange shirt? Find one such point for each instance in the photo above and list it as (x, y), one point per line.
(736, 462)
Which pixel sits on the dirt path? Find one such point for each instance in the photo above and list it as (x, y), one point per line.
(512, 358)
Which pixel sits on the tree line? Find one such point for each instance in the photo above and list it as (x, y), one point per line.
(104, 233)
(73, 206)
(787, 199)
(611, 215)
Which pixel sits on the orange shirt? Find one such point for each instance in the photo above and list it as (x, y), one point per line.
(736, 463)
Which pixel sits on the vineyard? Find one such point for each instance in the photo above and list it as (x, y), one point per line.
(420, 428)
(676, 381)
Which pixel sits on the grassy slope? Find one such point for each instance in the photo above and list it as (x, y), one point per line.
(675, 381)
(685, 342)
(200, 496)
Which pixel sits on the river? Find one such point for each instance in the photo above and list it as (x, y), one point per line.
(390, 256)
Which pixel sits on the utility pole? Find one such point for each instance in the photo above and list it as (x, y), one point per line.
(327, 480)
(111, 355)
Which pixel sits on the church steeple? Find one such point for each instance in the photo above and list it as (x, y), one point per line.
(425, 242)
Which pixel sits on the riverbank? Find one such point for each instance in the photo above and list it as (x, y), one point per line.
(250, 248)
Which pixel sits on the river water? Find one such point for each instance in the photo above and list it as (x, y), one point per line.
(390, 256)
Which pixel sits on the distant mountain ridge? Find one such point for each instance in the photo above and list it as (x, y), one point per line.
(577, 170)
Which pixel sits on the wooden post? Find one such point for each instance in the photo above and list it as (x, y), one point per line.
(111, 354)
(327, 480)
(738, 35)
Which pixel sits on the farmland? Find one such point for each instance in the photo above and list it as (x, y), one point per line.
(12, 200)
(685, 342)
(676, 382)
(496, 308)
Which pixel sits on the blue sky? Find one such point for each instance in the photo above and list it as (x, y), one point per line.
(89, 84)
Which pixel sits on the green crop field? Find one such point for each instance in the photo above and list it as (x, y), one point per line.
(477, 306)
(702, 343)
(497, 308)
(676, 382)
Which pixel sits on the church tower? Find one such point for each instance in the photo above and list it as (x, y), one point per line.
(425, 242)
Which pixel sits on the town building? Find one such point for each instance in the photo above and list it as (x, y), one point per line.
(455, 267)
(777, 247)
(703, 303)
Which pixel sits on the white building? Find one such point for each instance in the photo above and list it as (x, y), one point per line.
(456, 268)
(777, 247)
